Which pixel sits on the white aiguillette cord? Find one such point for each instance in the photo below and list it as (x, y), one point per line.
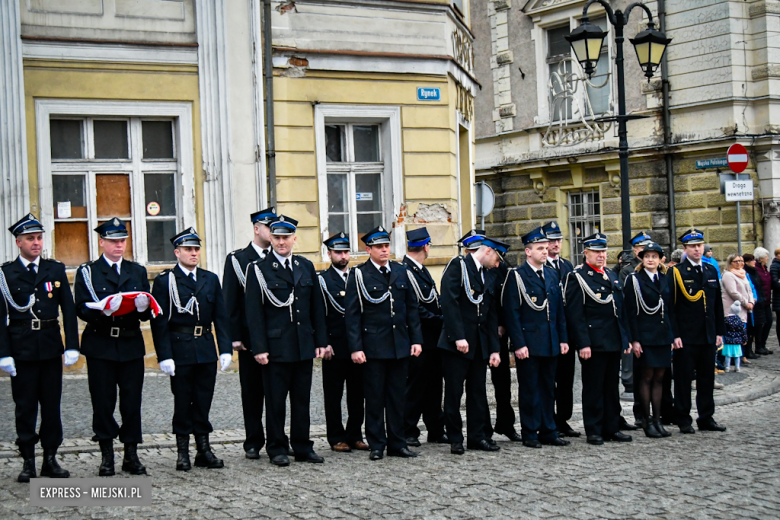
(641, 304)
(328, 297)
(266, 292)
(363, 292)
(522, 290)
(7, 294)
(586, 290)
(173, 292)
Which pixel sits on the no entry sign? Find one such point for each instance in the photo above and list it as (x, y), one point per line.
(737, 157)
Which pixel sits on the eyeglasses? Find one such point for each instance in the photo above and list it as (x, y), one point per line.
(738, 261)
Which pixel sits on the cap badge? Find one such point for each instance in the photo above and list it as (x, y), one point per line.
(380, 228)
(554, 225)
(281, 219)
(116, 221)
(341, 234)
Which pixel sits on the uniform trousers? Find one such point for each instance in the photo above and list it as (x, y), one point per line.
(690, 358)
(536, 399)
(104, 377)
(335, 374)
(501, 376)
(193, 391)
(424, 393)
(564, 388)
(384, 385)
(279, 380)
(601, 393)
(250, 375)
(38, 382)
(457, 371)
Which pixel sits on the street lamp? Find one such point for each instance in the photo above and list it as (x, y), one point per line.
(586, 42)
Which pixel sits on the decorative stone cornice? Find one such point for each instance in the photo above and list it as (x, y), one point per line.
(765, 72)
(763, 8)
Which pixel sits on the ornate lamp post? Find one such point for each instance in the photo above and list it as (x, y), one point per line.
(650, 45)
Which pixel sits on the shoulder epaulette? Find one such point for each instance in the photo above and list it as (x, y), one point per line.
(52, 260)
(8, 263)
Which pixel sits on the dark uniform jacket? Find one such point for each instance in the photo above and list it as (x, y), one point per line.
(233, 293)
(96, 341)
(184, 347)
(430, 313)
(628, 269)
(272, 330)
(499, 277)
(592, 324)
(19, 340)
(389, 329)
(477, 324)
(336, 286)
(693, 324)
(564, 268)
(649, 329)
(528, 327)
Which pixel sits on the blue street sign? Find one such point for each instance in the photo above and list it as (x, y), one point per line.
(706, 164)
(428, 94)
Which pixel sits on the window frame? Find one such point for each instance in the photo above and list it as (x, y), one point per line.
(575, 241)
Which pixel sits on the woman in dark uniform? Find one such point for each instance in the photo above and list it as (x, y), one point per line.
(649, 306)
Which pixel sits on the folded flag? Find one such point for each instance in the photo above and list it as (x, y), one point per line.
(128, 303)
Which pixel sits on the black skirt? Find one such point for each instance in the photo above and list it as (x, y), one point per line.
(655, 356)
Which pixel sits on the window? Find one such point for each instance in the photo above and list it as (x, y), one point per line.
(598, 86)
(559, 68)
(584, 220)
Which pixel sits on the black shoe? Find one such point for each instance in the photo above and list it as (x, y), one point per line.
(457, 448)
(512, 435)
(596, 440)
(50, 467)
(280, 460)
(650, 430)
(413, 441)
(751, 355)
(439, 440)
(660, 428)
(205, 458)
(532, 443)
(568, 431)
(687, 429)
(490, 441)
(252, 453)
(555, 442)
(763, 351)
(28, 471)
(404, 453)
(483, 445)
(107, 463)
(624, 426)
(376, 455)
(618, 437)
(183, 453)
(131, 464)
(309, 457)
(709, 426)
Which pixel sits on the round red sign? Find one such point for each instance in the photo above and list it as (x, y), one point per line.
(737, 157)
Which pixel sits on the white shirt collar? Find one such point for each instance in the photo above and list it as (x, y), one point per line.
(479, 266)
(111, 264)
(283, 259)
(418, 264)
(379, 267)
(341, 273)
(187, 271)
(25, 262)
(534, 268)
(551, 258)
(695, 263)
(260, 251)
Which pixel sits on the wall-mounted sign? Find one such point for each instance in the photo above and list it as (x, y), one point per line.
(707, 164)
(428, 94)
(739, 190)
(63, 209)
(366, 195)
(153, 208)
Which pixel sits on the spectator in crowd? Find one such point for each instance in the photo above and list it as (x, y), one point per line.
(774, 271)
(736, 288)
(710, 259)
(675, 258)
(752, 324)
(764, 304)
(735, 336)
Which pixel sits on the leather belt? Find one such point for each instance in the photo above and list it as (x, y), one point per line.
(35, 324)
(117, 332)
(196, 331)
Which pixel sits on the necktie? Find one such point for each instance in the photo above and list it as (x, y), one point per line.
(345, 275)
(540, 274)
(191, 276)
(116, 269)
(385, 272)
(288, 265)
(31, 270)
(265, 252)
(657, 281)
(697, 269)
(482, 275)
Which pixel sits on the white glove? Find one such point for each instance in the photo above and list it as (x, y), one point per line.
(141, 302)
(168, 367)
(71, 356)
(113, 305)
(7, 365)
(225, 360)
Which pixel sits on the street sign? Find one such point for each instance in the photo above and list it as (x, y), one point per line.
(708, 164)
(739, 191)
(737, 156)
(485, 199)
(428, 94)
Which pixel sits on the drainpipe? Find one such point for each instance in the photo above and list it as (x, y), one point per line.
(269, 101)
(667, 123)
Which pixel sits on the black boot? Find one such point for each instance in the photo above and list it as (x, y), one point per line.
(660, 427)
(649, 429)
(130, 463)
(28, 469)
(107, 464)
(50, 467)
(204, 458)
(183, 447)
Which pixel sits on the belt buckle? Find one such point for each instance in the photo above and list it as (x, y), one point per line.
(115, 332)
(198, 332)
(35, 324)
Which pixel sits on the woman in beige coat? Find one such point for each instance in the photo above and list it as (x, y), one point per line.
(736, 286)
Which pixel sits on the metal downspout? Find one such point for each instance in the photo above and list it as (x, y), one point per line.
(268, 72)
(667, 124)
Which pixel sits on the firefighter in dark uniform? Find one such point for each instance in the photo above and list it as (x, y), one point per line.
(424, 385)
(337, 366)
(564, 371)
(249, 372)
(698, 331)
(597, 326)
(383, 332)
(113, 345)
(191, 300)
(469, 339)
(33, 292)
(288, 331)
(532, 303)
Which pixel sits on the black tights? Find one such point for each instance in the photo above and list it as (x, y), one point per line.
(651, 389)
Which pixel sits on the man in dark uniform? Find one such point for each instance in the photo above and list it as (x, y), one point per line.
(288, 331)
(532, 303)
(191, 299)
(383, 331)
(113, 345)
(337, 366)
(564, 371)
(699, 325)
(597, 327)
(469, 339)
(33, 292)
(425, 384)
(249, 372)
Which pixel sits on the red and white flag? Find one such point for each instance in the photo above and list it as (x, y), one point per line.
(128, 304)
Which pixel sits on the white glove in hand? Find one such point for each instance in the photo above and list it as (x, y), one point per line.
(71, 356)
(113, 305)
(225, 360)
(168, 367)
(7, 365)
(141, 302)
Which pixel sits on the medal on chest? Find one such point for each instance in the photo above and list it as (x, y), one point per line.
(49, 288)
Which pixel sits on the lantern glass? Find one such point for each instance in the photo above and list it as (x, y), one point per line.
(586, 42)
(650, 46)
